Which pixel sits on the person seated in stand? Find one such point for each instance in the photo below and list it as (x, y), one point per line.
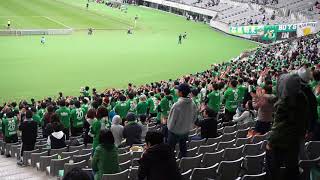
(245, 116)
(57, 139)
(208, 124)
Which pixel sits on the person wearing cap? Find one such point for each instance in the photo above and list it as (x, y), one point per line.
(288, 130)
(181, 119)
(132, 131)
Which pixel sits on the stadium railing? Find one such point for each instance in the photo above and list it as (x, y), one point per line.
(22, 32)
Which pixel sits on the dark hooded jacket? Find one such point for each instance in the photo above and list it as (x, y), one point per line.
(290, 119)
(158, 163)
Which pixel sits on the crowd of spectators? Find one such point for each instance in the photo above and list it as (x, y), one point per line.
(277, 86)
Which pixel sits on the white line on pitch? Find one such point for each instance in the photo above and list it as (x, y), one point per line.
(57, 22)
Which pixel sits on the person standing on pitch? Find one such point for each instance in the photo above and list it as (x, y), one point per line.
(9, 23)
(43, 40)
(184, 35)
(87, 5)
(180, 39)
(135, 20)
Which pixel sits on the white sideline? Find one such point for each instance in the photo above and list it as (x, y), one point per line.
(58, 22)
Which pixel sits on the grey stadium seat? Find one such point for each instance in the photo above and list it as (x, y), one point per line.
(135, 162)
(78, 158)
(313, 149)
(207, 148)
(45, 161)
(123, 150)
(211, 141)
(252, 149)
(118, 176)
(242, 133)
(27, 156)
(210, 159)
(204, 173)
(229, 129)
(186, 175)
(136, 154)
(85, 151)
(69, 166)
(259, 138)
(125, 165)
(133, 175)
(196, 143)
(232, 154)
(253, 177)
(124, 157)
(228, 136)
(226, 144)
(192, 152)
(58, 151)
(229, 170)
(69, 154)
(35, 157)
(307, 165)
(254, 164)
(187, 163)
(74, 148)
(242, 141)
(56, 165)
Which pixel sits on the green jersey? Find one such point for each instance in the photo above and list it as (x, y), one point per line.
(41, 113)
(214, 100)
(165, 105)
(77, 117)
(174, 95)
(142, 108)
(151, 106)
(37, 119)
(122, 109)
(241, 90)
(10, 126)
(132, 105)
(231, 99)
(95, 131)
(85, 108)
(64, 115)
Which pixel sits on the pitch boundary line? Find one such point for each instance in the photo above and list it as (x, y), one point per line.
(55, 21)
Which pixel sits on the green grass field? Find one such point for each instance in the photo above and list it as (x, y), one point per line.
(109, 58)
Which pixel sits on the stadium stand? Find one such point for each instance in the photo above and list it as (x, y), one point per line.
(228, 156)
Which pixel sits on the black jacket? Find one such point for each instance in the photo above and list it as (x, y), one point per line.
(208, 127)
(132, 133)
(158, 163)
(29, 129)
(291, 115)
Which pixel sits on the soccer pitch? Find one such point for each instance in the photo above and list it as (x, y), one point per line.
(109, 58)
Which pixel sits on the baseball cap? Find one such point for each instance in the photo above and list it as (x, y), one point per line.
(184, 88)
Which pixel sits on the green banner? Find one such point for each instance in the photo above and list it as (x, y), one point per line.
(249, 30)
(263, 29)
(270, 33)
